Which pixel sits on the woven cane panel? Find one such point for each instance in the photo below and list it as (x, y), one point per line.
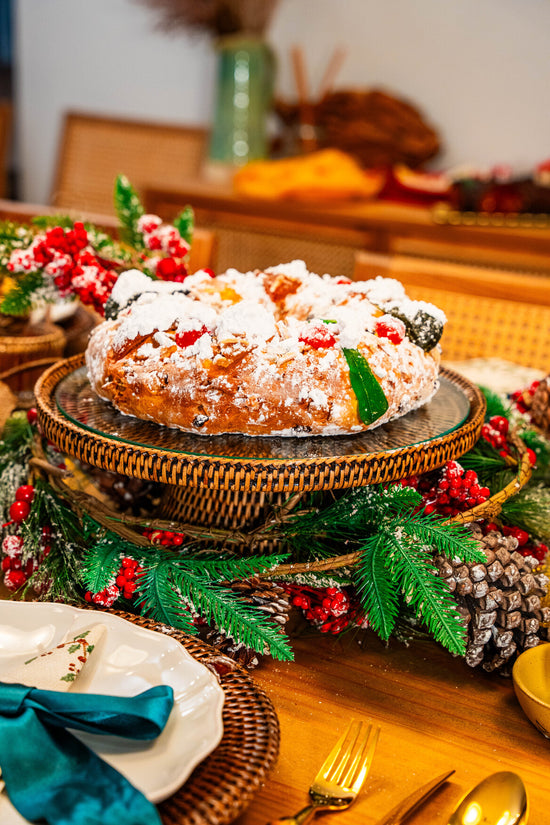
(246, 249)
(94, 150)
(491, 328)
(224, 783)
(255, 464)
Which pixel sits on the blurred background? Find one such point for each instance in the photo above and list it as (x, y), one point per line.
(477, 72)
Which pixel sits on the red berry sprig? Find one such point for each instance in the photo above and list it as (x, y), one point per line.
(523, 398)
(125, 584)
(456, 490)
(15, 572)
(130, 571)
(329, 609)
(165, 537)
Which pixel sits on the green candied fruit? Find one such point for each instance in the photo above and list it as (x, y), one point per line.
(423, 329)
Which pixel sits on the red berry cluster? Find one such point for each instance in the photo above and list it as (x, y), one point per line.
(159, 237)
(15, 571)
(125, 584)
(164, 537)
(454, 492)
(391, 328)
(495, 432)
(329, 609)
(65, 255)
(318, 335)
(522, 398)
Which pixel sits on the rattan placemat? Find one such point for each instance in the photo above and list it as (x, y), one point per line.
(222, 786)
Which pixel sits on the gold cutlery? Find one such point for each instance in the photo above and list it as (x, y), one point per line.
(500, 799)
(408, 806)
(342, 774)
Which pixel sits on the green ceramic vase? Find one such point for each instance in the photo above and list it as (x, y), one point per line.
(246, 73)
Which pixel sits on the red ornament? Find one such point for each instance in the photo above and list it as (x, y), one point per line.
(32, 415)
(25, 493)
(14, 579)
(19, 511)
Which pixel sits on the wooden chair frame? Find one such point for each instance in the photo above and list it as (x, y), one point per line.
(94, 149)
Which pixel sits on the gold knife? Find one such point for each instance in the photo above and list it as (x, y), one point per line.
(407, 806)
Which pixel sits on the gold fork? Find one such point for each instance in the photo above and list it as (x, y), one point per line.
(342, 774)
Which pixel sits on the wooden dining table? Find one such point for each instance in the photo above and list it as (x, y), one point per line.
(435, 714)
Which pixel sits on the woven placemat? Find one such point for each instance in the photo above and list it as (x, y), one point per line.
(223, 785)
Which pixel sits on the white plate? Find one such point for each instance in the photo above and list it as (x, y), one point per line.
(128, 660)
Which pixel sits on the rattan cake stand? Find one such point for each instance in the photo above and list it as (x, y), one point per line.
(230, 479)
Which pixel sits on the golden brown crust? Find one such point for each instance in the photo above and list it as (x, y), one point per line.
(259, 387)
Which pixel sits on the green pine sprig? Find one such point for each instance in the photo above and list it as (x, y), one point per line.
(175, 587)
(185, 224)
(19, 300)
(129, 210)
(171, 589)
(530, 510)
(397, 542)
(496, 405)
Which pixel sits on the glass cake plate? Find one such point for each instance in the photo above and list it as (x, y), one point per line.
(76, 399)
(84, 426)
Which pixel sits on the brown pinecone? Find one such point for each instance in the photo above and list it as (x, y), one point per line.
(500, 601)
(268, 597)
(540, 406)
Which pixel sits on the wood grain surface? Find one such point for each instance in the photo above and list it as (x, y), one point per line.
(435, 713)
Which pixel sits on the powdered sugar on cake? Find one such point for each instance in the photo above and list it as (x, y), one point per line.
(261, 353)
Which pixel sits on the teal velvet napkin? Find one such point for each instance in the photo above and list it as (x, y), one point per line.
(52, 775)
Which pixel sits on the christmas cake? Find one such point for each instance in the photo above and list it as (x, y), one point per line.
(277, 352)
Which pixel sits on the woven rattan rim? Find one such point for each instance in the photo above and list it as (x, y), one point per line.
(224, 783)
(28, 344)
(250, 474)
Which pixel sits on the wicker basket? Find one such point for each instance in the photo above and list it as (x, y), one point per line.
(16, 351)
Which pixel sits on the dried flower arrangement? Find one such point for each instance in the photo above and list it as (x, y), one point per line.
(216, 17)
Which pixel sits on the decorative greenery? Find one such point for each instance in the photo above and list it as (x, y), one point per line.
(396, 543)
(19, 300)
(129, 210)
(185, 223)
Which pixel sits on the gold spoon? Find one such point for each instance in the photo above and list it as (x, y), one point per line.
(500, 799)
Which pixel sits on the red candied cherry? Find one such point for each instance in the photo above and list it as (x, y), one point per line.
(318, 336)
(393, 332)
(208, 271)
(188, 337)
(19, 511)
(25, 493)
(343, 281)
